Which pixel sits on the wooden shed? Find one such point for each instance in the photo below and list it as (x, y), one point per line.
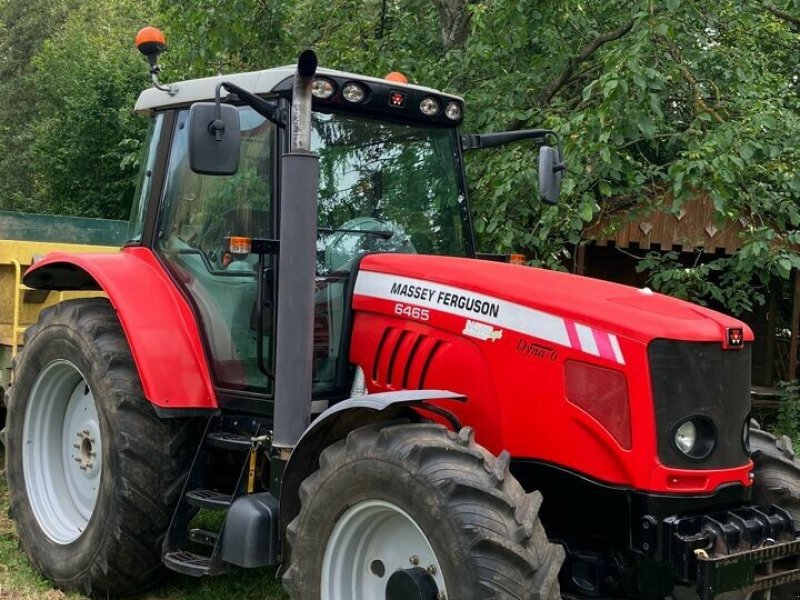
(619, 238)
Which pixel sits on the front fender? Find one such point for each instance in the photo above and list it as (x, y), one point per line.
(157, 320)
(334, 424)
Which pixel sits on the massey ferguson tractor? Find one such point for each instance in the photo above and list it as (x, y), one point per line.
(301, 347)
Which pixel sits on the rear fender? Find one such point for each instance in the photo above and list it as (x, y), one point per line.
(157, 320)
(333, 425)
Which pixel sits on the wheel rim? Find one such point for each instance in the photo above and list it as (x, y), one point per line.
(62, 452)
(372, 540)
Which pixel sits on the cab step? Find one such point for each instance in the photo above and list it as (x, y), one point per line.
(209, 499)
(188, 563)
(219, 480)
(229, 441)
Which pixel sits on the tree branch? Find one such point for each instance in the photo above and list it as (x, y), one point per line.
(454, 20)
(586, 52)
(700, 105)
(783, 15)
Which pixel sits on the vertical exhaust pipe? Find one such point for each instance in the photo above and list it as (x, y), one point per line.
(297, 269)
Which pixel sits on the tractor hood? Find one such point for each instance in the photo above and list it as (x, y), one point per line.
(548, 304)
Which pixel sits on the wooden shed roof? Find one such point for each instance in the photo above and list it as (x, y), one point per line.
(694, 227)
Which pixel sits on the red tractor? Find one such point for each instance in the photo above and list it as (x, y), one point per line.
(300, 335)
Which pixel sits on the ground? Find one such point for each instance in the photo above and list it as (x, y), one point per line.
(18, 581)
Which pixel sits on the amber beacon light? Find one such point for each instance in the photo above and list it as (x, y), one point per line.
(151, 42)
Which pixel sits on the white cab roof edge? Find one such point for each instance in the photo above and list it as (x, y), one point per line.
(257, 82)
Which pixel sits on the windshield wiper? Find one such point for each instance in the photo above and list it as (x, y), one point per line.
(384, 234)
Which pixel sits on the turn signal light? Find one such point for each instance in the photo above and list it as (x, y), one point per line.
(516, 259)
(239, 245)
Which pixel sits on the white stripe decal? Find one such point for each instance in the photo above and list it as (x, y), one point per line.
(464, 303)
(617, 349)
(587, 339)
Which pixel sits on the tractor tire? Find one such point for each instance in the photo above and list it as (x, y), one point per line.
(93, 473)
(776, 481)
(405, 510)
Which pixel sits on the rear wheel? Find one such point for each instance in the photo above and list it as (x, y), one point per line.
(776, 481)
(93, 473)
(415, 511)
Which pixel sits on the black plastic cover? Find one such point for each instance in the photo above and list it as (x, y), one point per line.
(701, 379)
(250, 536)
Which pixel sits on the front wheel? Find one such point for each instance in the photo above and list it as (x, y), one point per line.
(93, 473)
(776, 480)
(415, 511)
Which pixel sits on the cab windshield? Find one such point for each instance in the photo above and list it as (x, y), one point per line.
(386, 187)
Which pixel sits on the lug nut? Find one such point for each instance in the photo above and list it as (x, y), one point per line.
(414, 560)
(432, 569)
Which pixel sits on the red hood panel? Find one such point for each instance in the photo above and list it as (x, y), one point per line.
(638, 314)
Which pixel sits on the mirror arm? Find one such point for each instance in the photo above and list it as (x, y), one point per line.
(266, 109)
(490, 140)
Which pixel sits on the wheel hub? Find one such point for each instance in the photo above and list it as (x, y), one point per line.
(412, 584)
(85, 447)
(62, 455)
(377, 550)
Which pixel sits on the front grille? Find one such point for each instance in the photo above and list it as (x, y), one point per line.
(701, 379)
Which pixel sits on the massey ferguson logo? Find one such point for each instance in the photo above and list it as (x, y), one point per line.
(735, 337)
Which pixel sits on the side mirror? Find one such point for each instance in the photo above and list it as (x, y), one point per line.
(214, 138)
(551, 170)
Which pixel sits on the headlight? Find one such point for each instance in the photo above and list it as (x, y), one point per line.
(695, 437)
(429, 106)
(686, 437)
(322, 88)
(453, 111)
(354, 92)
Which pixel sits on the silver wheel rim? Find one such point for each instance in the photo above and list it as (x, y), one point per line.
(372, 540)
(62, 452)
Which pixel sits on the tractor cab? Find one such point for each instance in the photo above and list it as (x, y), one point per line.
(391, 180)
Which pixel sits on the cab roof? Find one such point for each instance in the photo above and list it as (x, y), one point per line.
(257, 82)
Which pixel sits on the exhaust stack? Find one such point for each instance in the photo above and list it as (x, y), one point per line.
(297, 269)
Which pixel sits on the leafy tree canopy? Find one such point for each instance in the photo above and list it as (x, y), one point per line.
(657, 102)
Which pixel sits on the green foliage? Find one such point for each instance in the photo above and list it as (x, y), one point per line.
(85, 137)
(657, 103)
(788, 422)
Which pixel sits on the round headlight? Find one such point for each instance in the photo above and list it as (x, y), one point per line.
(453, 111)
(322, 88)
(686, 437)
(354, 92)
(429, 106)
(695, 438)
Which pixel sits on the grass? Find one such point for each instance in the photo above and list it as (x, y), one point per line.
(19, 581)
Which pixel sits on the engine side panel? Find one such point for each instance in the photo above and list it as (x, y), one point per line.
(508, 359)
(157, 320)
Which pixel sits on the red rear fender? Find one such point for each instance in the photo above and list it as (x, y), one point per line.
(157, 319)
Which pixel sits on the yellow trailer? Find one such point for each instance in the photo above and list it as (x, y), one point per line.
(25, 238)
